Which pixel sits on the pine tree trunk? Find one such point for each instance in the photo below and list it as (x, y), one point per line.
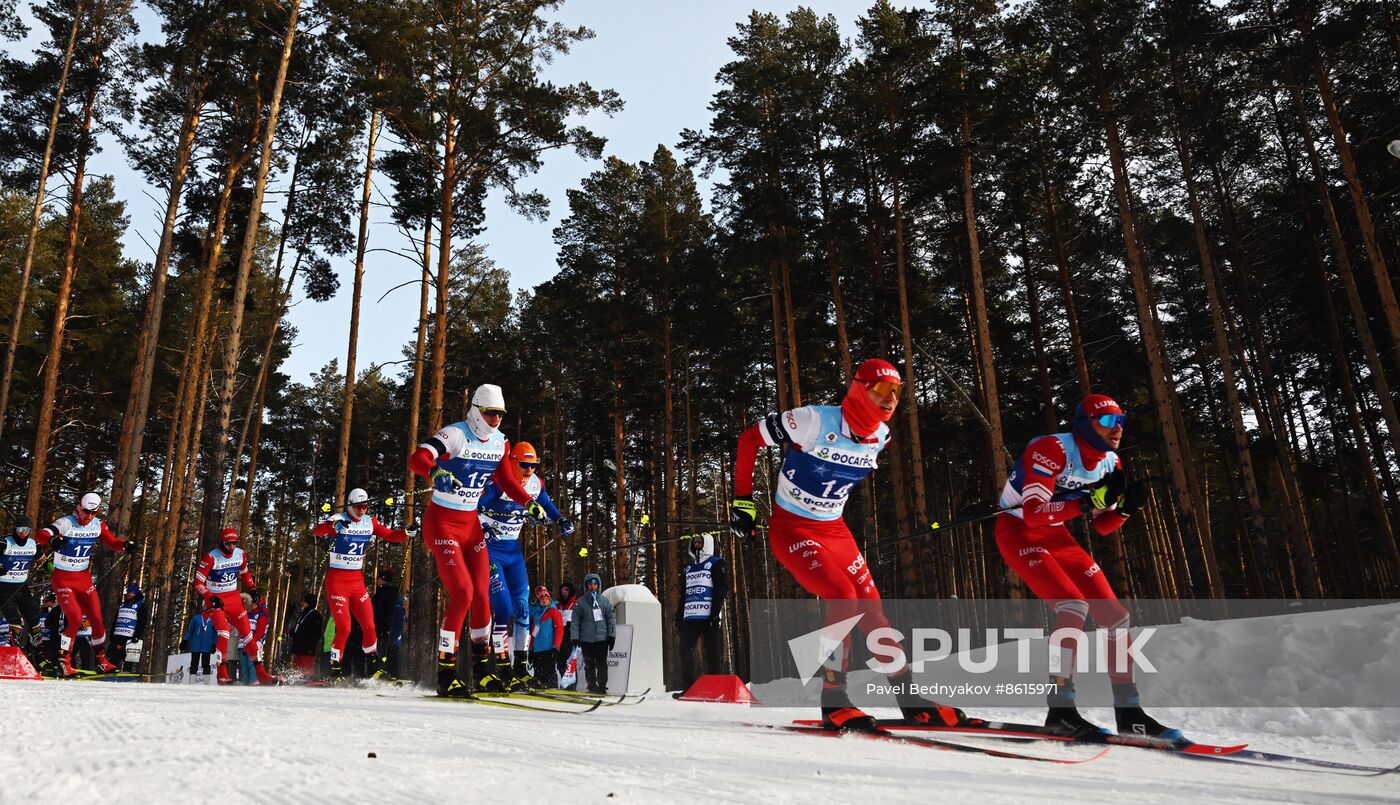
(911, 401)
(1057, 242)
(214, 480)
(62, 298)
(996, 446)
(794, 383)
(35, 219)
(1384, 289)
(1042, 365)
(1258, 536)
(449, 191)
(833, 269)
(348, 400)
(133, 431)
(621, 564)
(1340, 360)
(1159, 372)
(774, 296)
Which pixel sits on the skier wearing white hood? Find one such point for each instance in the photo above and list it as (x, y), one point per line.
(459, 460)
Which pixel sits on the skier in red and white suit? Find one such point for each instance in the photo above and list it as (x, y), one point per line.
(828, 450)
(459, 460)
(216, 579)
(1058, 478)
(72, 539)
(350, 533)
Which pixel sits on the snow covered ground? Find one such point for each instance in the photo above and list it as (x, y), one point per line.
(81, 742)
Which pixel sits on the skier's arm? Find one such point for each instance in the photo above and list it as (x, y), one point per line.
(795, 428)
(388, 534)
(261, 631)
(744, 459)
(140, 621)
(325, 529)
(549, 507)
(443, 445)
(111, 540)
(505, 477)
(489, 497)
(201, 575)
(247, 575)
(1110, 519)
(1041, 465)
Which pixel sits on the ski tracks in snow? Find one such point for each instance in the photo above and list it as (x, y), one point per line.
(73, 743)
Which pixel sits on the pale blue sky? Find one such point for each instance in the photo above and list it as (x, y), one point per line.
(660, 55)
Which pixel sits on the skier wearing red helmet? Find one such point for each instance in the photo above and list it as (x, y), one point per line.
(72, 539)
(1058, 478)
(827, 450)
(216, 579)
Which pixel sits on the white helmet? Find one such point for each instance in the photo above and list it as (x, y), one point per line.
(91, 502)
(489, 396)
(357, 496)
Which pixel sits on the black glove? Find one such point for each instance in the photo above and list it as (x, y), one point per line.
(741, 516)
(612, 641)
(566, 528)
(56, 543)
(253, 592)
(131, 546)
(1134, 498)
(214, 602)
(184, 646)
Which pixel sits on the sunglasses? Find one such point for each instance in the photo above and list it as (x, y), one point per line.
(1111, 420)
(528, 464)
(493, 412)
(884, 388)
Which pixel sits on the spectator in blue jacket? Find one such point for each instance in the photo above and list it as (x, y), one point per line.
(546, 635)
(199, 640)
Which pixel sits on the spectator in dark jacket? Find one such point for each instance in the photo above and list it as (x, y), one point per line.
(565, 601)
(546, 635)
(594, 626)
(305, 636)
(51, 626)
(384, 603)
(200, 639)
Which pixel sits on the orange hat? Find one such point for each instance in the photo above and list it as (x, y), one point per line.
(524, 452)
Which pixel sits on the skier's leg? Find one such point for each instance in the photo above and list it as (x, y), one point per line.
(518, 586)
(1035, 555)
(340, 615)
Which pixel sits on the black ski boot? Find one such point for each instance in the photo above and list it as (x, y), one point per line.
(447, 682)
(520, 679)
(378, 665)
(837, 711)
(918, 710)
(1064, 716)
(1127, 711)
(484, 671)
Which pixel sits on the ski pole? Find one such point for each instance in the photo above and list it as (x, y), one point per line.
(649, 544)
(936, 526)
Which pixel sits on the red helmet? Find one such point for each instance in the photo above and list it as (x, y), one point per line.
(877, 370)
(524, 452)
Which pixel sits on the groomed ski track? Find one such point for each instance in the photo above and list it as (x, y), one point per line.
(131, 742)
